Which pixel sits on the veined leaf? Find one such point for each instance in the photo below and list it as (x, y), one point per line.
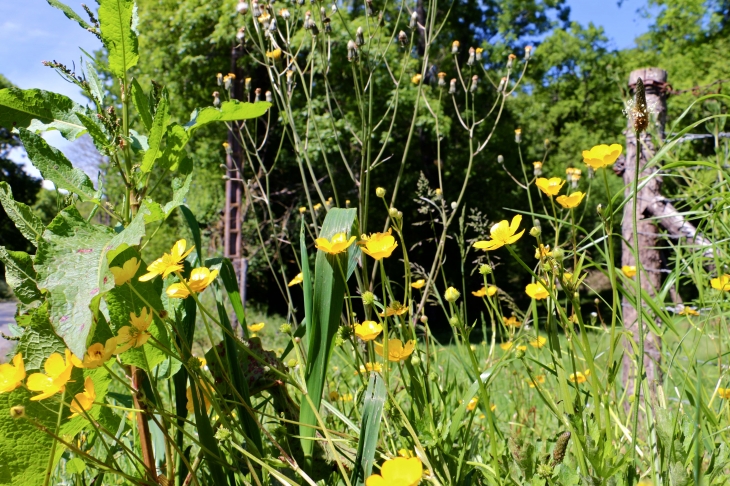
(115, 19)
(229, 111)
(25, 220)
(95, 85)
(372, 411)
(159, 126)
(68, 11)
(142, 103)
(180, 189)
(55, 167)
(72, 266)
(39, 111)
(177, 139)
(327, 302)
(101, 141)
(20, 274)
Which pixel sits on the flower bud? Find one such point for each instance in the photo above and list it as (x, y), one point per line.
(359, 37)
(452, 86)
(222, 434)
(256, 9)
(510, 60)
(558, 254)
(453, 320)
(502, 85)
(368, 298)
(478, 53)
(414, 20)
(327, 22)
(257, 95)
(528, 52)
(285, 328)
(247, 84)
(415, 360)
(241, 35)
(520, 353)
(455, 47)
(269, 97)
(291, 363)
(17, 411)
(424, 319)
(351, 51)
(485, 269)
(535, 231)
(518, 135)
(442, 79)
(474, 83)
(400, 214)
(284, 13)
(537, 168)
(393, 213)
(500, 159)
(219, 79)
(402, 38)
(242, 7)
(380, 192)
(216, 99)
(599, 209)
(451, 294)
(472, 55)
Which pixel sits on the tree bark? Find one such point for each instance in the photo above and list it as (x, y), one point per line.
(647, 231)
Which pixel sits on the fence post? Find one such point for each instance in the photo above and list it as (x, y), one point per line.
(654, 80)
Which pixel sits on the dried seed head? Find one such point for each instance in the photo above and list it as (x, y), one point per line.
(257, 92)
(284, 13)
(359, 37)
(219, 79)
(518, 135)
(502, 85)
(455, 47)
(560, 447)
(639, 111)
(242, 7)
(472, 56)
(528, 52)
(256, 10)
(402, 38)
(510, 60)
(351, 50)
(442, 79)
(247, 84)
(414, 20)
(474, 83)
(478, 53)
(269, 97)
(241, 35)
(537, 168)
(216, 99)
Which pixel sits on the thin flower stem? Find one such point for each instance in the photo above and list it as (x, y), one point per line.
(49, 468)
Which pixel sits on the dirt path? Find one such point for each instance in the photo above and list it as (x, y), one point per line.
(7, 315)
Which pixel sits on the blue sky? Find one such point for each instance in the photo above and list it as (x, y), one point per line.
(31, 31)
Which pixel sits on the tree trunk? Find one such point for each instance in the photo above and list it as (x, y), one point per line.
(647, 231)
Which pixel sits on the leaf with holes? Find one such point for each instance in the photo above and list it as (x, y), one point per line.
(72, 267)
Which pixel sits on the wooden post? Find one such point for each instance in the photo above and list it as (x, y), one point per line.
(654, 80)
(233, 217)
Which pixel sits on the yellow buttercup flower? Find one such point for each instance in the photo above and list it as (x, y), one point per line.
(452, 295)
(551, 186)
(371, 367)
(688, 311)
(579, 377)
(12, 375)
(368, 330)
(397, 351)
(572, 201)
(543, 251)
(125, 273)
(98, 353)
(630, 271)
(472, 404)
(537, 290)
(602, 155)
(399, 471)
(57, 374)
(539, 342)
(394, 309)
(200, 278)
(418, 284)
(511, 321)
(539, 379)
(721, 283)
(507, 345)
(275, 54)
(296, 280)
(177, 291)
(136, 334)
(503, 233)
(378, 245)
(723, 393)
(168, 263)
(337, 244)
(256, 327)
(83, 401)
(416, 79)
(405, 453)
(485, 291)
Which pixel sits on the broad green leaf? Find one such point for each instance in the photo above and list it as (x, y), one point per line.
(68, 11)
(229, 111)
(372, 411)
(142, 104)
(39, 111)
(38, 341)
(75, 466)
(72, 266)
(95, 85)
(100, 139)
(25, 220)
(55, 167)
(327, 303)
(159, 126)
(126, 299)
(177, 139)
(115, 19)
(20, 275)
(180, 189)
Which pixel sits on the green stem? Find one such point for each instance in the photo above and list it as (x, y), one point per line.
(49, 468)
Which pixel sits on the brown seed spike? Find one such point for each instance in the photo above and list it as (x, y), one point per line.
(640, 112)
(561, 445)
